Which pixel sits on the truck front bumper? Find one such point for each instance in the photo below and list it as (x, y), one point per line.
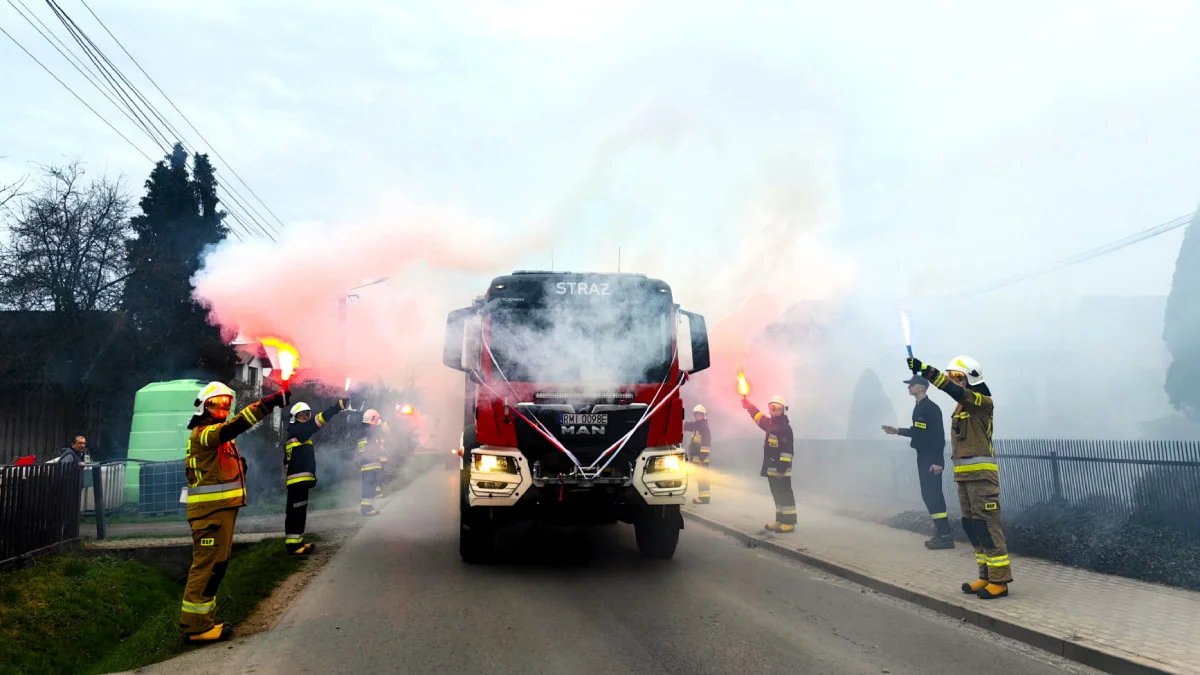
(659, 477)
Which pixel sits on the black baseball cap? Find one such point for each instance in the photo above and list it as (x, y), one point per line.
(917, 379)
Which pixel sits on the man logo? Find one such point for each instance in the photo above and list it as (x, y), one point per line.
(583, 425)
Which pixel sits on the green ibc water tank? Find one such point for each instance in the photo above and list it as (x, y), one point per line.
(159, 432)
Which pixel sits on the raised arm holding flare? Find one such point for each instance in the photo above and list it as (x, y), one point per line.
(975, 470)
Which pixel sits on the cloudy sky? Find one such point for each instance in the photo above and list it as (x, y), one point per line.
(998, 134)
(883, 150)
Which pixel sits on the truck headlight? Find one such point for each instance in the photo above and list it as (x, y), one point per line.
(666, 464)
(494, 463)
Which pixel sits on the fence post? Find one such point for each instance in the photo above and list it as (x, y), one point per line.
(98, 499)
(1057, 475)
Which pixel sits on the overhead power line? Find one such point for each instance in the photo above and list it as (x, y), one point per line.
(1078, 258)
(77, 96)
(185, 118)
(111, 83)
(118, 80)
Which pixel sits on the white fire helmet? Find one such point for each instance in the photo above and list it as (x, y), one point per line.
(371, 417)
(779, 400)
(211, 390)
(700, 409)
(968, 365)
(297, 409)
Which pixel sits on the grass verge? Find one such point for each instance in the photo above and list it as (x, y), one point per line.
(251, 577)
(68, 611)
(80, 614)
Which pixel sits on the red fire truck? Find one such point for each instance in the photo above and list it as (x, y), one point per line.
(573, 413)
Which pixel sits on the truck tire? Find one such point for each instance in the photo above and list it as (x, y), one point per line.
(657, 531)
(476, 538)
(476, 534)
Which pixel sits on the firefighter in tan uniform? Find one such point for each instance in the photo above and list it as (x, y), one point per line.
(216, 476)
(975, 471)
(699, 450)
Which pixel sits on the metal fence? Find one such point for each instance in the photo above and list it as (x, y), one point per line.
(160, 486)
(112, 488)
(39, 507)
(1154, 481)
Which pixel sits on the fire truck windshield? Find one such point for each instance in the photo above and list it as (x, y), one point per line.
(596, 343)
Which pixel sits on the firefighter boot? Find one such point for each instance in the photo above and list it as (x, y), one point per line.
(784, 528)
(221, 631)
(974, 587)
(942, 537)
(992, 591)
(940, 542)
(700, 500)
(771, 527)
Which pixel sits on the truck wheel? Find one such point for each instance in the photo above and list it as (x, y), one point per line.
(657, 531)
(476, 534)
(476, 538)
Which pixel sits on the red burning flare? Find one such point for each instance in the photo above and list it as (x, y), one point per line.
(743, 385)
(286, 355)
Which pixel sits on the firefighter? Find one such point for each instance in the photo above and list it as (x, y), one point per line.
(370, 454)
(699, 448)
(929, 440)
(384, 474)
(975, 471)
(300, 464)
(216, 476)
(777, 461)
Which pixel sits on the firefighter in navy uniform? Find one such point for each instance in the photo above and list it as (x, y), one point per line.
(929, 440)
(216, 476)
(975, 471)
(699, 449)
(384, 473)
(300, 464)
(778, 448)
(370, 454)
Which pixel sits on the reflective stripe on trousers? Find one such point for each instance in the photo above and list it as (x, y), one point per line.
(212, 493)
(199, 607)
(969, 464)
(374, 466)
(300, 477)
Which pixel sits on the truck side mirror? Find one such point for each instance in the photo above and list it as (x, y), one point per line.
(456, 331)
(472, 343)
(698, 334)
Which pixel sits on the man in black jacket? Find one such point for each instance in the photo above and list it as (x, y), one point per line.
(300, 463)
(929, 440)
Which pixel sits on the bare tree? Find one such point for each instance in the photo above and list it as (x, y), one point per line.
(10, 192)
(66, 244)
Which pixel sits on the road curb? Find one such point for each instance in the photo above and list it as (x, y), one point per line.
(1096, 657)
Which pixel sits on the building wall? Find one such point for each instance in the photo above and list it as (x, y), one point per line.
(39, 424)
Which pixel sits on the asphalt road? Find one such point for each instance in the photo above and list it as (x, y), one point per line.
(397, 599)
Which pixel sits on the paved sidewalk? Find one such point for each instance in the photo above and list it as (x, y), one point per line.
(1080, 614)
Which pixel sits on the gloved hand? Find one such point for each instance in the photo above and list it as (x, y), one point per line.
(915, 365)
(746, 403)
(279, 398)
(342, 403)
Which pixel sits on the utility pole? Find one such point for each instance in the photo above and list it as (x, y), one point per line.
(346, 297)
